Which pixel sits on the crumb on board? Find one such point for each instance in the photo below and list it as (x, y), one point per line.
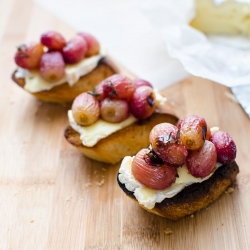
(168, 231)
(104, 169)
(229, 190)
(88, 184)
(69, 198)
(31, 221)
(100, 183)
(192, 216)
(222, 224)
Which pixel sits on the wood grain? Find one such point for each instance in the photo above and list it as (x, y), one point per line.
(51, 197)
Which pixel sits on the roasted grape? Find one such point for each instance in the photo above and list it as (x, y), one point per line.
(118, 87)
(157, 177)
(75, 50)
(85, 109)
(53, 40)
(114, 110)
(208, 133)
(92, 44)
(29, 55)
(201, 162)
(140, 82)
(225, 147)
(193, 131)
(98, 91)
(142, 103)
(52, 66)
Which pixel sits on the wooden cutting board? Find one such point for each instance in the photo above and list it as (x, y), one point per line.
(51, 197)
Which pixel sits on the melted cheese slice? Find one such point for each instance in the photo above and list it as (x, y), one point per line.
(90, 135)
(35, 83)
(148, 196)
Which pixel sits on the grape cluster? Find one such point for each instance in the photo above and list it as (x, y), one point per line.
(172, 146)
(53, 52)
(113, 100)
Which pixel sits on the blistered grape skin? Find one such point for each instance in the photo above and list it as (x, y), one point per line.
(156, 177)
(53, 40)
(193, 130)
(162, 130)
(75, 50)
(143, 102)
(52, 66)
(85, 109)
(201, 162)
(92, 44)
(118, 87)
(140, 82)
(225, 147)
(28, 55)
(114, 110)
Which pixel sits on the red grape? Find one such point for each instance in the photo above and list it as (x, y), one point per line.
(98, 90)
(225, 147)
(142, 103)
(92, 43)
(52, 66)
(208, 133)
(118, 87)
(75, 50)
(29, 55)
(85, 109)
(193, 132)
(140, 82)
(53, 40)
(157, 177)
(114, 110)
(201, 162)
(179, 124)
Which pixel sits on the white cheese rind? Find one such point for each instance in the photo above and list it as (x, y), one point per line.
(147, 196)
(35, 83)
(90, 135)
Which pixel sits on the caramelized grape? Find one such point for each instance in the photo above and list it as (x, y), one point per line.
(201, 162)
(75, 50)
(114, 110)
(85, 109)
(29, 55)
(52, 66)
(193, 132)
(142, 103)
(53, 40)
(208, 133)
(157, 177)
(118, 87)
(98, 90)
(163, 131)
(92, 44)
(140, 82)
(225, 147)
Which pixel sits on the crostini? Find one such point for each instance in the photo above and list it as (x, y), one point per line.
(185, 168)
(114, 120)
(54, 70)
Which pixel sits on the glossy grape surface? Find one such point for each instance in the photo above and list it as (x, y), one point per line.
(118, 87)
(114, 110)
(52, 66)
(75, 50)
(193, 131)
(140, 82)
(92, 44)
(85, 109)
(201, 162)
(53, 40)
(225, 147)
(28, 55)
(156, 177)
(143, 102)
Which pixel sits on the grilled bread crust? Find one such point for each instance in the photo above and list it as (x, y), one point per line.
(195, 196)
(65, 93)
(127, 141)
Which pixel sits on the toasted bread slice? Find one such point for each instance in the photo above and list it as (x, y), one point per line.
(195, 196)
(127, 141)
(65, 93)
